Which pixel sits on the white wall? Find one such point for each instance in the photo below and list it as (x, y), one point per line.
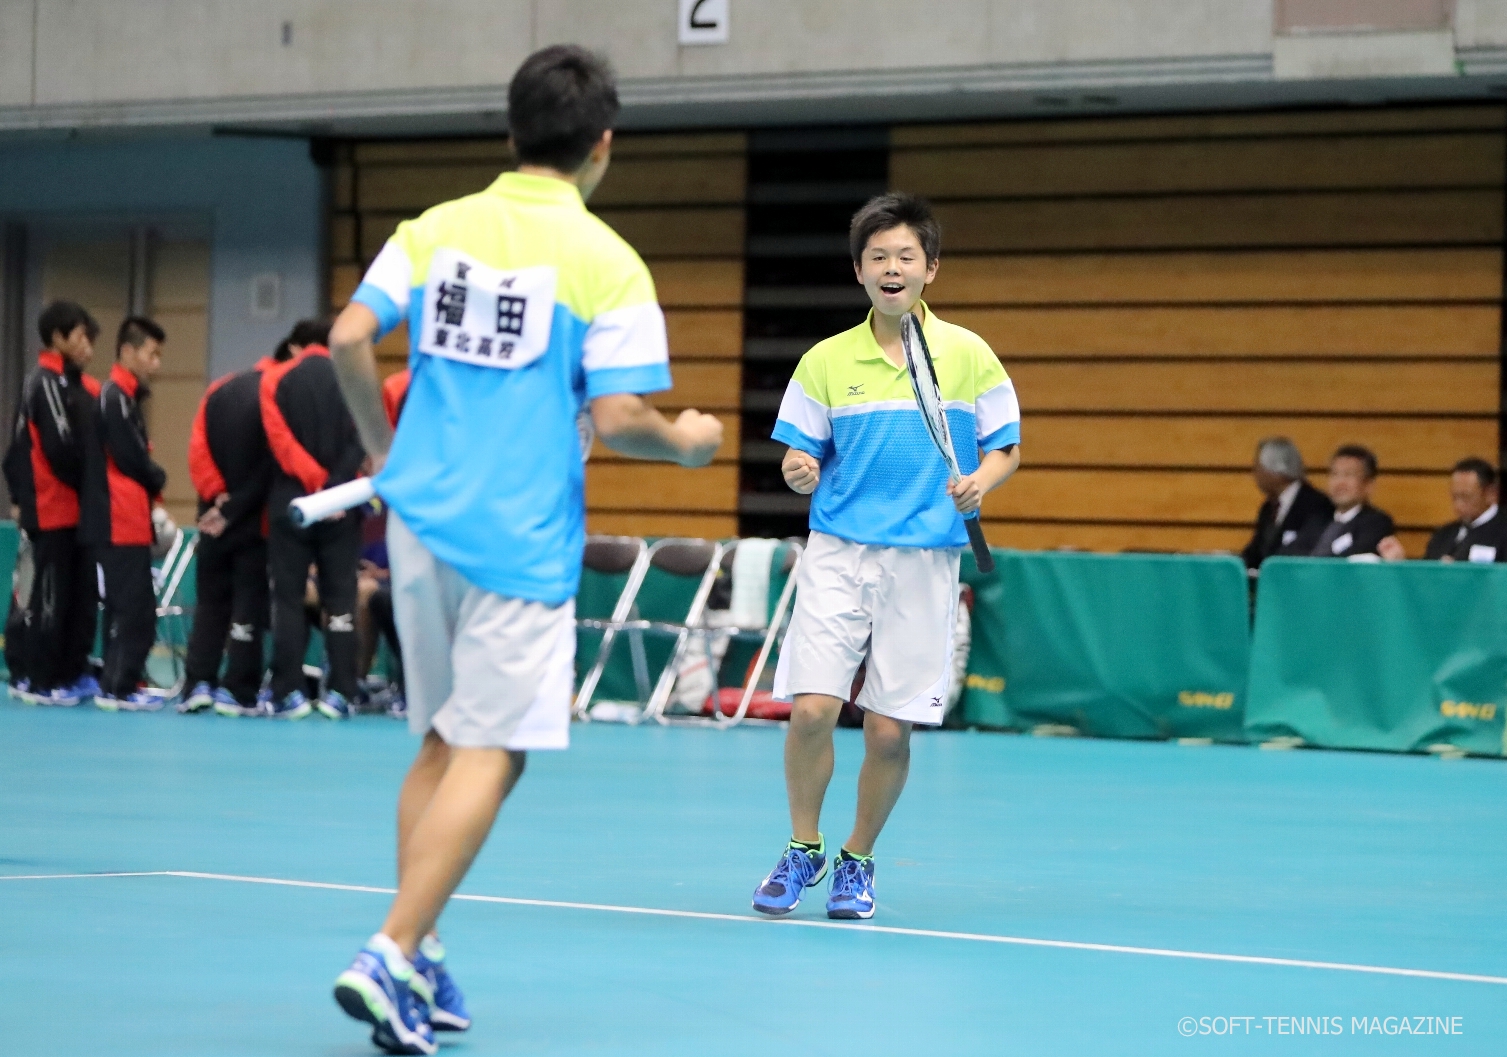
(261, 197)
(415, 67)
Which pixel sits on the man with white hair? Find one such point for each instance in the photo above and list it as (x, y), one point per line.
(1291, 502)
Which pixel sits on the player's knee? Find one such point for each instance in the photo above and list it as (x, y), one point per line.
(813, 713)
(885, 737)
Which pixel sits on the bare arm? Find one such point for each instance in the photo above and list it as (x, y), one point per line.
(994, 470)
(627, 423)
(356, 367)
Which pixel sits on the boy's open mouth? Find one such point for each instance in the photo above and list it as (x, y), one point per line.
(892, 288)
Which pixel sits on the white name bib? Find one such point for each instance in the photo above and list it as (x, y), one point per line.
(1479, 552)
(482, 316)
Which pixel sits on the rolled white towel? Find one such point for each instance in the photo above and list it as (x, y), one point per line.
(750, 603)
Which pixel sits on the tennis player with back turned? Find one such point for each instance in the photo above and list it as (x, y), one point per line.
(522, 308)
(880, 575)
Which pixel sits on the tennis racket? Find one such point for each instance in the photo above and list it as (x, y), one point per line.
(923, 379)
(328, 502)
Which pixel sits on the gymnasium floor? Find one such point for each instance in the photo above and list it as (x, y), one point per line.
(1366, 860)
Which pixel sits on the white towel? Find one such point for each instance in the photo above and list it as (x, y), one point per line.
(750, 604)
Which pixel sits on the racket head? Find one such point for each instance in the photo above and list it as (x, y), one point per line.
(923, 380)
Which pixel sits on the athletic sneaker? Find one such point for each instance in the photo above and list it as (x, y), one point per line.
(448, 1010)
(798, 869)
(294, 706)
(85, 686)
(382, 989)
(20, 690)
(136, 701)
(397, 708)
(225, 704)
(202, 696)
(334, 706)
(58, 697)
(852, 895)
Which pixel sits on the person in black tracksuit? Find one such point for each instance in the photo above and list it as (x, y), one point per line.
(122, 482)
(315, 445)
(44, 467)
(232, 468)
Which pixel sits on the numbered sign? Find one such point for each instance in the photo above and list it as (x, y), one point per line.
(704, 21)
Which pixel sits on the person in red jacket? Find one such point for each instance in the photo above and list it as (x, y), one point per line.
(314, 443)
(232, 468)
(44, 467)
(122, 483)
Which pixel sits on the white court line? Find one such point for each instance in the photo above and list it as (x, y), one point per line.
(971, 937)
(70, 876)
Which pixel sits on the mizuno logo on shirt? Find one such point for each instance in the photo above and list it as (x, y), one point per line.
(856, 390)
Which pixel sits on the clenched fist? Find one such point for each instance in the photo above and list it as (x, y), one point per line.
(802, 472)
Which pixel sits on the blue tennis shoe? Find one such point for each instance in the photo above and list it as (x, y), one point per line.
(383, 989)
(447, 1012)
(852, 896)
(799, 868)
(294, 706)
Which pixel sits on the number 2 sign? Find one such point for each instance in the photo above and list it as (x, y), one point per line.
(703, 21)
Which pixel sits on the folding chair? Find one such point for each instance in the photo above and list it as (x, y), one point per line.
(789, 561)
(612, 568)
(175, 607)
(667, 600)
(686, 570)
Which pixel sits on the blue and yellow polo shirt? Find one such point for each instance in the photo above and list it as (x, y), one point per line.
(882, 480)
(521, 306)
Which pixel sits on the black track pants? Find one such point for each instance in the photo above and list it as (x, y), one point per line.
(335, 548)
(64, 609)
(130, 617)
(230, 616)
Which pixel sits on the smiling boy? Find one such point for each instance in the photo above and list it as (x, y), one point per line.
(879, 581)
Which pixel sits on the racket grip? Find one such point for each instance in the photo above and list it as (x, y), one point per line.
(311, 508)
(981, 553)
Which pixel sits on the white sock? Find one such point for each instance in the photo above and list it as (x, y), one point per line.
(397, 962)
(431, 948)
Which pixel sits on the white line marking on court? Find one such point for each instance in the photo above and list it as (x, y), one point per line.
(698, 915)
(70, 876)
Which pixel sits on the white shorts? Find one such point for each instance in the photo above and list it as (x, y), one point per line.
(895, 605)
(485, 671)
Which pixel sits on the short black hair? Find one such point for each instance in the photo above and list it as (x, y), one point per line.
(63, 317)
(304, 332)
(135, 330)
(1484, 471)
(883, 212)
(560, 102)
(1357, 451)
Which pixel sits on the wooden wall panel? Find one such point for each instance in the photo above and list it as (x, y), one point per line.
(659, 487)
(1177, 496)
(1221, 442)
(678, 199)
(1213, 126)
(1253, 276)
(1329, 218)
(1317, 386)
(1166, 291)
(1408, 331)
(696, 526)
(1448, 159)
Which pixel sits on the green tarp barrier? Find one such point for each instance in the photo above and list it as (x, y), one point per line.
(1116, 646)
(1380, 656)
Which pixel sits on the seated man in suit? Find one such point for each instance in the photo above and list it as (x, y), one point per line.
(1479, 534)
(1357, 527)
(1291, 502)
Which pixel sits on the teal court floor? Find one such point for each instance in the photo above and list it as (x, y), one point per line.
(1037, 896)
